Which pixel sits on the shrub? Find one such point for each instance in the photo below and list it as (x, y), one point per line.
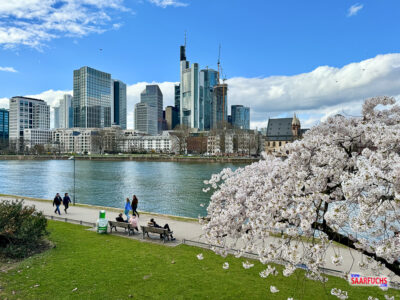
(22, 229)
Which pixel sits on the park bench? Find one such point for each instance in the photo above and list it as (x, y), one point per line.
(151, 229)
(115, 224)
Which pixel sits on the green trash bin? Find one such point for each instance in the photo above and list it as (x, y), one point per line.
(102, 222)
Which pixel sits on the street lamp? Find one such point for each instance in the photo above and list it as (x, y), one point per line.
(73, 158)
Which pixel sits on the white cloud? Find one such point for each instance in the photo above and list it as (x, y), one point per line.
(313, 96)
(8, 69)
(166, 3)
(33, 22)
(354, 9)
(321, 92)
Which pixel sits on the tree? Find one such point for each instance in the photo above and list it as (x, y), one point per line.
(182, 132)
(340, 183)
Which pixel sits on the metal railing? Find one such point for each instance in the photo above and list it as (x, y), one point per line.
(73, 221)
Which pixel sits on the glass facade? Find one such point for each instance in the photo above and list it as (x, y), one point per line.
(208, 79)
(220, 106)
(153, 96)
(66, 112)
(92, 99)
(4, 125)
(178, 99)
(57, 117)
(240, 116)
(119, 102)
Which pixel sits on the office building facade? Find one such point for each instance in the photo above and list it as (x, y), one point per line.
(153, 97)
(66, 113)
(171, 117)
(92, 99)
(4, 124)
(208, 79)
(240, 116)
(178, 99)
(119, 104)
(27, 113)
(189, 92)
(146, 118)
(220, 106)
(56, 111)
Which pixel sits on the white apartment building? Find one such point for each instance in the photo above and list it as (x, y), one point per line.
(75, 140)
(33, 137)
(27, 113)
(164, 143)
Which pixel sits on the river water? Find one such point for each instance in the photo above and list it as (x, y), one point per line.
(173, 188)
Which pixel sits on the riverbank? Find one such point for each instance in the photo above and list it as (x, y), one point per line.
(137, 157)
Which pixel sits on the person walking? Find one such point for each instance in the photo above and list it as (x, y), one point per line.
(57, 202)
(135, 202)
(66, 202)
(128, 208)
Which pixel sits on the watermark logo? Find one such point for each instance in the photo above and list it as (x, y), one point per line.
(360, 280)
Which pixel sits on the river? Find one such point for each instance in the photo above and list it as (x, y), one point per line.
(173, 188)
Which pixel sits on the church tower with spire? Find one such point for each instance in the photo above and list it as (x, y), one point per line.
(295, 127)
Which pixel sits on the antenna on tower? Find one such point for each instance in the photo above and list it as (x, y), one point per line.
(219, 61)
(185, 38)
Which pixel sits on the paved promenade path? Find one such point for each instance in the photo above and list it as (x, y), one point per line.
(184, 229)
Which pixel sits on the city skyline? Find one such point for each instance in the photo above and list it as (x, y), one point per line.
(342, 58)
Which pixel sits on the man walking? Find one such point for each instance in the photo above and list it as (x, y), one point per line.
(57, 202)
(66, 201)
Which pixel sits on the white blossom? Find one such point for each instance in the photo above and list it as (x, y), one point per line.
(200, 256)
(247, 265)
(340, 182)
(339, 293)
(225, 266)
(273, 289)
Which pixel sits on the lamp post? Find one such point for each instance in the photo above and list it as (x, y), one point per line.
(73, 158)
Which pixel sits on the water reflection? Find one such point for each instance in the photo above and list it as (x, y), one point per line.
(163, 187)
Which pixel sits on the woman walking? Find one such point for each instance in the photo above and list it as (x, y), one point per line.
(135, 202)
(128, 208)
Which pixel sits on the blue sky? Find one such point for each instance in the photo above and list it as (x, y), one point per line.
(267, 47)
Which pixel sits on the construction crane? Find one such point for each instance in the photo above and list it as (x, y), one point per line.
(220, 74)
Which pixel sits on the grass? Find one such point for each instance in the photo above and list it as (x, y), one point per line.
(112, 267)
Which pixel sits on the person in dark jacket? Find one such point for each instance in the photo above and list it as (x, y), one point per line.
(66, 202)
(57, 202)
(135, 202)
(119, 218)
(166, 226)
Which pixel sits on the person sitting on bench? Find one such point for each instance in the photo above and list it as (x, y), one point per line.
(166, 226)
(119, 218)
(133, 221)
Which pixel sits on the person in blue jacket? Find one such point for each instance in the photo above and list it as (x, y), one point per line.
(128, 208)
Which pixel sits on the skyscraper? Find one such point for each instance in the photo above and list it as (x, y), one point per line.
(145, 118)
(4, 124)
(56, 117)
(189, 92)
(178, 99)
(208, 79)
(240, 116)
(66, 112)
(171, 117)
(153, 96)
(27, 113)
(119, 103)
(220, 105)
(92, 98)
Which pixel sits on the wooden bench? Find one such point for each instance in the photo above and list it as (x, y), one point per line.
(151, 229)
(125, 225)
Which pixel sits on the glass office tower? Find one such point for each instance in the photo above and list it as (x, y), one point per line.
(220, 106)
(92, 98)
(4, 121)
(119, 103)
(208, 79)
(240, 116)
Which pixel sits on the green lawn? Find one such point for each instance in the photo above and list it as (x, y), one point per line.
(111, 267)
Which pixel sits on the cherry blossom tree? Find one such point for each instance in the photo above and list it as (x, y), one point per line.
(340, 183)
